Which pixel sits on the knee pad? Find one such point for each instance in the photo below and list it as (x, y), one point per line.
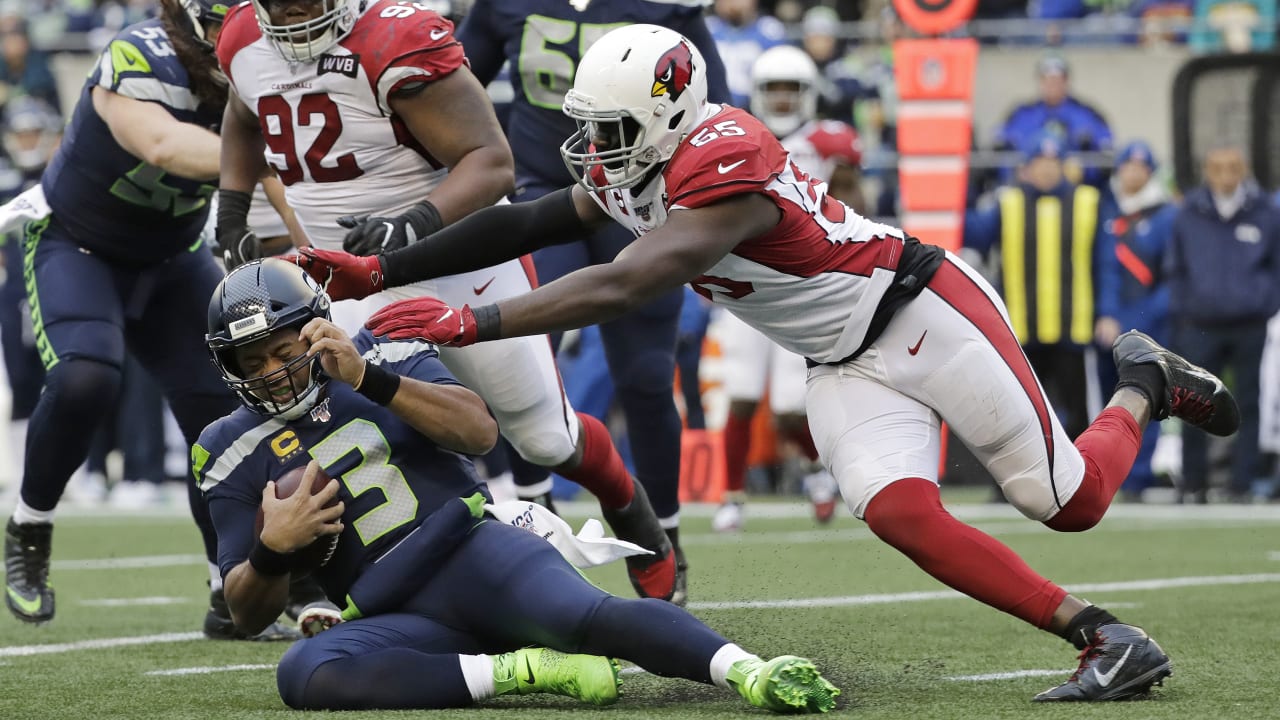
(84, 384)
(544, 447)
(1031, 496)
(299, 666)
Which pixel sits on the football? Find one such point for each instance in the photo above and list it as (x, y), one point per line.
(319, 552)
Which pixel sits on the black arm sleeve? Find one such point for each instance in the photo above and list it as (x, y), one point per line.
(485, 238)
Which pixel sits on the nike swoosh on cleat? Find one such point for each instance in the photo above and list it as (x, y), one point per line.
(30, 607)
(1104, 679)
(528, 669)
(480, 290)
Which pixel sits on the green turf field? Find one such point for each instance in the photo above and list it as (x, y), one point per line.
(1206, 584)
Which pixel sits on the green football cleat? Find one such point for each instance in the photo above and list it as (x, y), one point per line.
(589, 678)
(785, 684)
(26, 569)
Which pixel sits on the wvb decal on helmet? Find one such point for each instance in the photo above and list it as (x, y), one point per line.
(673, 72)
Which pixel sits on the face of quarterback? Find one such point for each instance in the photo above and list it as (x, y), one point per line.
(294, 12)
(270, 359)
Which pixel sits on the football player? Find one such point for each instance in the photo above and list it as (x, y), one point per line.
(381, 136)
(784, 96)
(443, 601)
(117, 263)
(899, 335)
(542, 41)
(640, 346)
(31, 130)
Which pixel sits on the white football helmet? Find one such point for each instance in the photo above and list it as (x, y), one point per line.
(306, 41)
(639, 90)
(783, 111)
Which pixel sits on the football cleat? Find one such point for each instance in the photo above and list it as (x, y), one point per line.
(1121, 662)
(652, 576)
(824, 493)
(318, 617)
(26, 571)
(589, 678)
(785, 684)
(680, 595)
(304, 592)
(728, 517)
(1190, 392)
(218, 624)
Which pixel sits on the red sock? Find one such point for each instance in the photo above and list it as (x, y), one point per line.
(804, 440)
(1108, 446)
(909, 516)
(601, 471)
(737, 442)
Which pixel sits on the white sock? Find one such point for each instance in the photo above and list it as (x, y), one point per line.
(671, 522)
(724, 658)
(215, 578)
(502, 487)
(477, 670)
(24, 514)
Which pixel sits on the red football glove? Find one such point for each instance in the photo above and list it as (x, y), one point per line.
(425, 318)
(343, 276)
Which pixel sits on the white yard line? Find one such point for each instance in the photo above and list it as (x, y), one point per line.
(814, 602)
(99, 644)
(1012, 675)
(134, 602)
(139, 561)
(212, 669)
(882, 599)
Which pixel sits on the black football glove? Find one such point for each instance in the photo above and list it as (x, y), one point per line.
(238, 243)
(376, 235)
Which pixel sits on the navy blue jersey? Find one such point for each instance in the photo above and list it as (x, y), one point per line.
(392, 477)
(544, 40)
(110, 201)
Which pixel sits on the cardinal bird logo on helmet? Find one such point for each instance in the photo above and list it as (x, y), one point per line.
(672, 73)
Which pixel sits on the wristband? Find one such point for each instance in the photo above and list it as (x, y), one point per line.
(268, 562)
(233, 216)
(426, 220)
(378, 384)
(488, 322)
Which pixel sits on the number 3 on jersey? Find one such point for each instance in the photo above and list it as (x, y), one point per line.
(279, 126)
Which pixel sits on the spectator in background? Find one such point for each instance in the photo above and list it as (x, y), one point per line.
(1075, 124)
(742, 34)
(1046, 274)
(875, 113)
(24, 70)
(1224, 284)
(1136, 224)
(838, 83)
(30, 134)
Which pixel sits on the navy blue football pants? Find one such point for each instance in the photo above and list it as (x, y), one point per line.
(503, 588)
(640, 349)
(86, 311)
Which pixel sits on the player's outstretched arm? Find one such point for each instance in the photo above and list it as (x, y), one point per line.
(690, 242)
(480, 240)
(686, 246)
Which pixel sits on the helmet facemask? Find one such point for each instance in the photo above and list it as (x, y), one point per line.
(612, 142)
(286, 392)
(638, 92)
(306, 41)
(784, 105)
